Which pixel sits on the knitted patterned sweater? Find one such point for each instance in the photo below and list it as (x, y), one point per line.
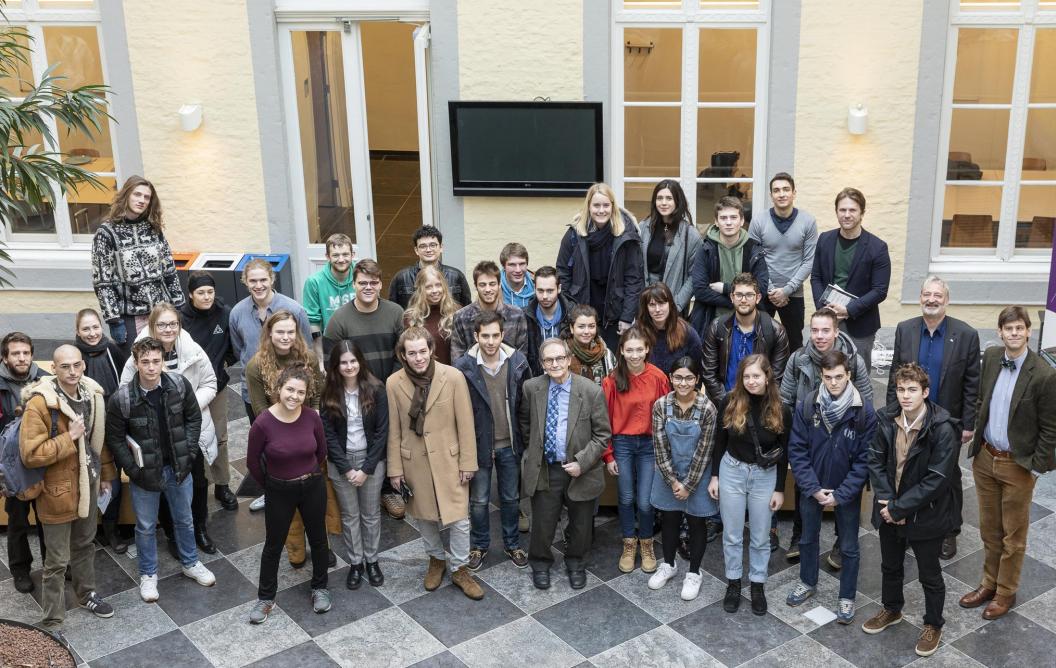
(132, 269)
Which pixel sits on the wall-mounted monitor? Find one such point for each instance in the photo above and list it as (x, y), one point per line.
(526, 148)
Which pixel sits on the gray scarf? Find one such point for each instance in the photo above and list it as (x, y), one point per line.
(832, 410)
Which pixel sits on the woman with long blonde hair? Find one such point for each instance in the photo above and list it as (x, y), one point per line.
(433, 308)
(600, 261)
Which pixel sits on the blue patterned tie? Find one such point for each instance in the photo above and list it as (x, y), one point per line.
(550, 435)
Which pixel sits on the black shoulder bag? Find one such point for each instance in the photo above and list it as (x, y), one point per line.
(764, 459)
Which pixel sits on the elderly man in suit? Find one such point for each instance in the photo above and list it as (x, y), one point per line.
(948, 349)
(1014, 443)
(567, 427)
(857, 262)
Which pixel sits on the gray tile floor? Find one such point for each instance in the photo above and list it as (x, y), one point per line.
(615, 621)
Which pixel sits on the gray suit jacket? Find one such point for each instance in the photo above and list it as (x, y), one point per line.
(586, 439)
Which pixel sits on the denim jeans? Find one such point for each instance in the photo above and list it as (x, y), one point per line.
(847, 521)
(745, 486)
(636, 460)
(145, 506)
(507, 468)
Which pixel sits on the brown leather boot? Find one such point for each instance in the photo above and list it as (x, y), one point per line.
(999, 607)
(630, 546)
(645, 547)
(976, 598)
(465, 581)
(435, 575)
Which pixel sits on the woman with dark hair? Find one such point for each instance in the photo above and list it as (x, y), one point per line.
(751, 458)
(103, 362)
(132, 267)
(600, 261)
(355, 412)
(630, 391)
(683, 437)
(591, 358)
(672, 337)
(670, 242)
(286, 452)
(433, 307)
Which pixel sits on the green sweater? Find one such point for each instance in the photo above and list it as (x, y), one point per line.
(323, 295)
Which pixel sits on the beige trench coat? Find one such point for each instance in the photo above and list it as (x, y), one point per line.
(430, 463)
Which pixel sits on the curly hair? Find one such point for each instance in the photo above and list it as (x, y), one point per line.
(267, 358)
(418, 308)
(735, 416)
(299, 372)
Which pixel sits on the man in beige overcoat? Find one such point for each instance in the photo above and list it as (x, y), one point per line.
(433, 451)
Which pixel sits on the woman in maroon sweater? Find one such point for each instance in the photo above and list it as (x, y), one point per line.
(287, 448)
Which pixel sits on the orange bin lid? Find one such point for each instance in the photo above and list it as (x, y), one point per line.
(184, 260)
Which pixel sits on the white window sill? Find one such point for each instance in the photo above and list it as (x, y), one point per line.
(46, 267)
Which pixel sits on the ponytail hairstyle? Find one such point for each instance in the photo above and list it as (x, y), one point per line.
(738, 404)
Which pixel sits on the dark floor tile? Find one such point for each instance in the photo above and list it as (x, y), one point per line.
(603, 557)
(394, 532)
(733, 639)
(1012, 640)
(172, 648)
(348, 605)
(235, 531)
(305, 655)
(970, 511)
(240, 465)
(891, 649)
(110, 579)
(186, 601)
(714, 561)
(453, 618)
(869, 575)
(441, 660)
(596, 620)
(1035, 578)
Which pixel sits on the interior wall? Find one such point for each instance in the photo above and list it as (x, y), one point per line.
(392, 103)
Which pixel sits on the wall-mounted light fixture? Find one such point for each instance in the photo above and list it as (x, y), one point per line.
(190, 117)
(857, 119)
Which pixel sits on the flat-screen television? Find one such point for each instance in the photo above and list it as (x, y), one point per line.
(526, 148)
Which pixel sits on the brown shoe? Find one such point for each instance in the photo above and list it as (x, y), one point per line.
(465, 581)
(630, 546)
(999, 607)
(976, 598)
(881, 621)
(645, 546)
(435, 575)
(393, 505)
(928, 642)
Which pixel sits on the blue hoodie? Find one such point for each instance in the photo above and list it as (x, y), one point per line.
(520, 298)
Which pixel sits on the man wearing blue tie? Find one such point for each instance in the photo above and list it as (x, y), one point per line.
(566, 423)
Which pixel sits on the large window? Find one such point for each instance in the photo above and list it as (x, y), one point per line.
(65, 35)
(998, 192)
(691, 81)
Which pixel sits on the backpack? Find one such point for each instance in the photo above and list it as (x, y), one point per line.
(15, 476)
(124, 399)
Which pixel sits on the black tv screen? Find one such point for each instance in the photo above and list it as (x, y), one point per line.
(526, 148)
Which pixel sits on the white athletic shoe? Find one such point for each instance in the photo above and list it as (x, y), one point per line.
(200, 574)
(691, 586)
(256, 504)
(662, 575)
(148, 588)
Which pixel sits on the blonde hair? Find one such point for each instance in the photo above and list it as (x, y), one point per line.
(156, 313)
(582, 218)
(258, 263)
(418, 308)
(267, 359)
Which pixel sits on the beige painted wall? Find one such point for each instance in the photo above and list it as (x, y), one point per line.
(210, 180)
(538, 54)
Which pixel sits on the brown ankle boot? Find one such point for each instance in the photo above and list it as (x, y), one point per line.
(999, 607)
(465, 581)
(645, 546)
(630, 546)
(435, 575)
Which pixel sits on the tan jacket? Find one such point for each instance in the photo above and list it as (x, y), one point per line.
(430, 463)
(64, 494)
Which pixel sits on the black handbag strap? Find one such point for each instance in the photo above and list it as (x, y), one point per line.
(759, 458)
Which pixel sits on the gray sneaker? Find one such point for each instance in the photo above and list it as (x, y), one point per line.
(320, 600)
(259, 613)
(800, 594)
(845, 611)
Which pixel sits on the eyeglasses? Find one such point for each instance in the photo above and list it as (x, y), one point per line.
(554, 361)
(743, 296)
(683, 380)
(368, 284)
(428, 246)
(167, 325)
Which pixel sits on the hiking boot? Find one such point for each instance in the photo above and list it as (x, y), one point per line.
(800, 594)
(435, 575)
(518, 556)
(259, 613)
(630, 546)
(732, 599)
(645, 546)
(476, 558)
(758, 599)
(928, 642)
(393, 505)
(321, 601)
(465, 581)
(97, 606)
(881, 621)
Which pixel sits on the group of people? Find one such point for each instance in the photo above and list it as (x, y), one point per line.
(674, 359)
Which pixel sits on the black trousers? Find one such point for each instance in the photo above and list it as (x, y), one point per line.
(670, 523)
(19, 558)
(285, 497)
(546, 511)
(892, 559)
(792, 318)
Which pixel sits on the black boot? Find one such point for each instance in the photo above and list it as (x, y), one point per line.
(205, 543)
(227, 498)
(374, 574)
(113, 538)
(732, 600)
(758, 599)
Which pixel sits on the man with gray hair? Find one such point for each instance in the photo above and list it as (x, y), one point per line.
(948, 349)
(565, 422)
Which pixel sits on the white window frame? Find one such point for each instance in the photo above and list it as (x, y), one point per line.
(61, 248)
(688, 16)
(1027, 17)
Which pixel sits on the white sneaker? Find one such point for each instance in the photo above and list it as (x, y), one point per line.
(200, 574)
(148, 588)
(691, 586)
(257, 504)
(664, 573)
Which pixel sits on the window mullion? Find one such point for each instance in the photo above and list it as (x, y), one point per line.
(616, 154)
(688, 153)
(1017, 122)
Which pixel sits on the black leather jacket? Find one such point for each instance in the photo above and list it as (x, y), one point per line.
(402, 286)
(770, 340)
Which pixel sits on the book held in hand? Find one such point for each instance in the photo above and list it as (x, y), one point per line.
(835, 295)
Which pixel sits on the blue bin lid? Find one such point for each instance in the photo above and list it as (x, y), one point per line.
(278, 260)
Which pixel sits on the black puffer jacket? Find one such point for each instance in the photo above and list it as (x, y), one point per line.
(770, 340)
(925, 495)
(128, 414)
